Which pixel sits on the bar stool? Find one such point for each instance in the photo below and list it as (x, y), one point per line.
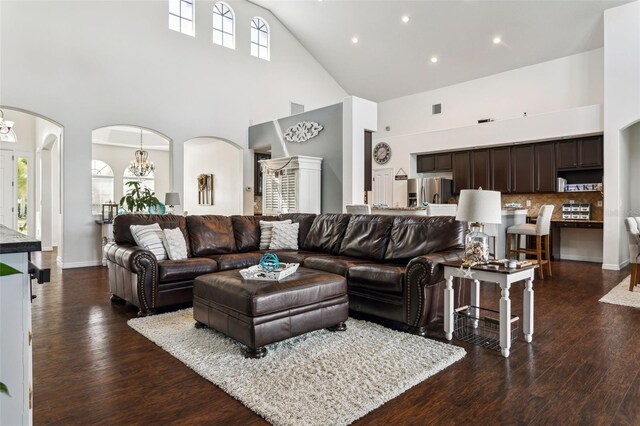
(541, 231)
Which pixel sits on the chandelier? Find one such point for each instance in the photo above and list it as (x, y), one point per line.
(141, 166)
(5, 125)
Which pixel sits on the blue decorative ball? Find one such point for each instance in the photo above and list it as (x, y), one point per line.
(269, 262)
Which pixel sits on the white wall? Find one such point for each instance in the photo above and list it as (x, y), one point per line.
(358, 115)
(621, 109)
(119, 158)
(223, 160)
(48, 182)
(105, 64)
(561, 97)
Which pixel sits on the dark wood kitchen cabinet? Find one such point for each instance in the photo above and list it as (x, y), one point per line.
(501, 169)
(429, 163)
(426, 163)
(522, 169)
(461, 171)
(480, 169)
(545, 167)
(584, 153)
(590, 152)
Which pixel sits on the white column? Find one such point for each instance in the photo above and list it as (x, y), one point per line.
(528, 308)
(505, 318)
(448, 308)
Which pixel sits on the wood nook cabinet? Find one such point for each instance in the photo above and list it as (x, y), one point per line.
(461, 171)
(584, 153)
(481, 169)
(501, 169)
(522, 169)
(545, 167)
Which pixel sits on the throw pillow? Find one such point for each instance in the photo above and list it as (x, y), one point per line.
(265, 232)
(285, 237)
(175, 244)
(151, 238)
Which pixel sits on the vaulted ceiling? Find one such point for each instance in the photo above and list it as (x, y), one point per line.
(393, 58)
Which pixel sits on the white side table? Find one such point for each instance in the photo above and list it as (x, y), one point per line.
(504, 277)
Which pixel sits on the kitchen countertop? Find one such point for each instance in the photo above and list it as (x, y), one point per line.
(399, 208)
(12, 241)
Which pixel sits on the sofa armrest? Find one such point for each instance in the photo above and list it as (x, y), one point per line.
(422, 275)
(133, 275)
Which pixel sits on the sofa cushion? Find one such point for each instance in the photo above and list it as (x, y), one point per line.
(304, 219)
(326, 233)
(183, 270)
(367, 236)
(377, 277)
(413, 236)
(210, 234)
(122, 223)
(236, 260)
(246, 231)
(335, 264)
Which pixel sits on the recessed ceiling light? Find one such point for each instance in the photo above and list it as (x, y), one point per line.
(497, 40)
(354, 40)
(406, 19)
(434, 59)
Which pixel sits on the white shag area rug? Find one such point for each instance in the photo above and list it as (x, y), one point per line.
(620, 295)
(319, 378)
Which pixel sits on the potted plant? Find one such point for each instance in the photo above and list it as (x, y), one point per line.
(139, 198)
(6, 270)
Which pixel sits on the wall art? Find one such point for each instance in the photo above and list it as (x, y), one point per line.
(303, 131)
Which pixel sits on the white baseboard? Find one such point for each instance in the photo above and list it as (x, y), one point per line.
(46, 249)
(615, 266)
(86, 264)
(593, 259)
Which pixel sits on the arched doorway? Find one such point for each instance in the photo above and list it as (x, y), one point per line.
(221, 161)
(35, 192)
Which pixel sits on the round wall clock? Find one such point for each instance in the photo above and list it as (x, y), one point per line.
(382, 153)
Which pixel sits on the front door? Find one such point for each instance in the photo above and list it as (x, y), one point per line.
(383, 186)
(7, 200)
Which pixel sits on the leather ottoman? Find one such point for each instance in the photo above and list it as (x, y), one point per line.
(257, 313)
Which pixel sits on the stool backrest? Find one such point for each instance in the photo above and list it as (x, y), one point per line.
(543, 224)
(358, 209)
(633, 236)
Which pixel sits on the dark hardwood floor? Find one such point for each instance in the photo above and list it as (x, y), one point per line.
(582, 367)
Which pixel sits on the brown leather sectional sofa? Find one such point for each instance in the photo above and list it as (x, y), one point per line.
(392, 263)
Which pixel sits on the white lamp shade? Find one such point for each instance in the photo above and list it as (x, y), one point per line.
(172, 199)
(477, 205)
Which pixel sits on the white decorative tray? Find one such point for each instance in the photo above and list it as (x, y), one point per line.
(256, 272)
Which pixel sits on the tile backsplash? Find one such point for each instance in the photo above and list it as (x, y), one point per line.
(557, 199)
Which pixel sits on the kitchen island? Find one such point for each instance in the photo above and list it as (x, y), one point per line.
(15, 327)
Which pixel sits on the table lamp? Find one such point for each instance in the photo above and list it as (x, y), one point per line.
(171, 199)
(478, 207)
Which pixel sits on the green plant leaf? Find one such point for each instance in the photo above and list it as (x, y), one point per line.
(6, 270)
(4, 389)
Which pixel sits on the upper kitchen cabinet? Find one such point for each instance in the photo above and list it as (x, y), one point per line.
(501, 169)
(461, 171)
(522, 169)
(429, 163)
(590, 152)
(584, 153)
(480, 169)
(545, 167)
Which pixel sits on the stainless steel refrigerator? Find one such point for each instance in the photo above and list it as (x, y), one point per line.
(434, 190)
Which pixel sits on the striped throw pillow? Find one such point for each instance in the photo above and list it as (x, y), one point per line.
(285, 237)
(266, 229)
(151, 238)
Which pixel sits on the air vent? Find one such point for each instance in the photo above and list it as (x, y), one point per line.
(296, 108)
(436, 109)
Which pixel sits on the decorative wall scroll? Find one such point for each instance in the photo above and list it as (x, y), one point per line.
(205, 189)
(303, 131)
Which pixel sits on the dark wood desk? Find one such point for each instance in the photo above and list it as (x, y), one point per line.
(556, 228)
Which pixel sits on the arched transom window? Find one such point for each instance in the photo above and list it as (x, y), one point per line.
(223, 25)
(260, 45)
